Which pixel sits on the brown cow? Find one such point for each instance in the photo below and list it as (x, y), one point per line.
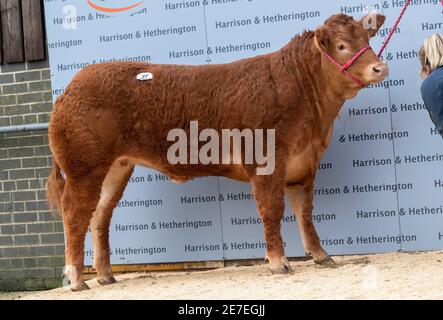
(107, 121)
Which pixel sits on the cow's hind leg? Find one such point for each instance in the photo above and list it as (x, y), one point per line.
(79, 200)
(269, 196)
(301, 198)
(111, 192)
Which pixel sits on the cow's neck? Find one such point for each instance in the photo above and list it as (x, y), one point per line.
(332, 93)
(330, 104)
(318, 77)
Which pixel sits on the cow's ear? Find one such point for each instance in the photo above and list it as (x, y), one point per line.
(322, 39)
(373, 22)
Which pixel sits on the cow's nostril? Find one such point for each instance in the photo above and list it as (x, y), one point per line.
(376, 70)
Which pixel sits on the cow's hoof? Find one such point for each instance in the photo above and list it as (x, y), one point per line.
(81, 286)
(104, 281)
(326, 262)
(280, 267)
(308, 255)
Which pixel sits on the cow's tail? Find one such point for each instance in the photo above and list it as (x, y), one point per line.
(55, 187)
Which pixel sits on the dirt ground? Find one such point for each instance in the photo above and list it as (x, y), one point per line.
(382, 276)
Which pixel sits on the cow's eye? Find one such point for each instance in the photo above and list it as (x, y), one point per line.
(341, 47)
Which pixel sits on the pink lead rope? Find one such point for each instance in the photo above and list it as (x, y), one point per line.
(394, 28)
(344, 68)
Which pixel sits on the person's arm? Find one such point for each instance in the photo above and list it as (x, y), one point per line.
(431, 92)
(438, 101)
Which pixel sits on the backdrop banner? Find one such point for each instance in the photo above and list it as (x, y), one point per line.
(379, 186)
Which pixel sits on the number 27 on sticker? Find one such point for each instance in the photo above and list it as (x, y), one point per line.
(145, 76)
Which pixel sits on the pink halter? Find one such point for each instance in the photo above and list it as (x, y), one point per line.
(344, 68)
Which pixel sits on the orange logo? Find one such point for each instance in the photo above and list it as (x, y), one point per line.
(113, 10)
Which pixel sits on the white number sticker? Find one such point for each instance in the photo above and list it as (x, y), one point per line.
(145, 76)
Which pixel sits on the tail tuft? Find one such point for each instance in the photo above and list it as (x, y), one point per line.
(55, 187)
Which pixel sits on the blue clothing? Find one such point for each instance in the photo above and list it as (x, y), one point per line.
(432, 93)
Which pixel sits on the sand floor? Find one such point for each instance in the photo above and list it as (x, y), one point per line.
(382, 276)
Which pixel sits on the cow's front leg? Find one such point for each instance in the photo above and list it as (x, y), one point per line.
(301, 198)
(269, 196)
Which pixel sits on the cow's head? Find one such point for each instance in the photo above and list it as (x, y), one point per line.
(342, 37)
